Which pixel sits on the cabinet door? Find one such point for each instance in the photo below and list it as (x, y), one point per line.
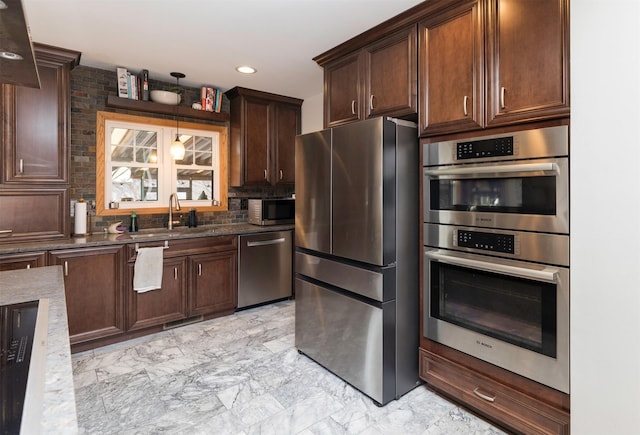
(214, 283)
(390, 75)
(93, 281)
(22, 261)
(528, 60)
(166, 304)
(287, 126)
(33, 213)
(342, 80)
(450, 58)
(257, 133)
(36, 125)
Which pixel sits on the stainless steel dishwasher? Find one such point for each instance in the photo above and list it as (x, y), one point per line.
(265, 267)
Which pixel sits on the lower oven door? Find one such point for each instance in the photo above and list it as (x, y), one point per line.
(509, 313)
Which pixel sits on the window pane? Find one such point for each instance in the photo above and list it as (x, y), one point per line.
(125, 143)
(203, 149)
(194, 184)
(134, 184)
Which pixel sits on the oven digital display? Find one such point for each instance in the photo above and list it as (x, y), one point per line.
(486, 241)
(497, 147)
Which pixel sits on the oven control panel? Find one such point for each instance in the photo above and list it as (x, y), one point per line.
(496, 147)
(486, 241)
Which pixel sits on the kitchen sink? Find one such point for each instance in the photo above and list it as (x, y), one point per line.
(164, 232)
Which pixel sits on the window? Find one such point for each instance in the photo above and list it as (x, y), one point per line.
(136, 171)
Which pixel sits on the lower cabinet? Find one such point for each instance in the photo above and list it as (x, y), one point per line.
(93, 281)
(157, 307)
(213, 286)
(199, 279)
(522, 406)
(22, 261)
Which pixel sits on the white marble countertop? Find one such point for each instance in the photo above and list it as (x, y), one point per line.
(59, 406)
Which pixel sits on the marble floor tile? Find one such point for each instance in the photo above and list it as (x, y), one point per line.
(241, 374)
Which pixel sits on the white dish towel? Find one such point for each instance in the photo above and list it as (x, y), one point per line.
(147, 271)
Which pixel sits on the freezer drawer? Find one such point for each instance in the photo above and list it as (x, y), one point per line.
(264, 267)
(352, 339)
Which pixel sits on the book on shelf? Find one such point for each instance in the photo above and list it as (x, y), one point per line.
(210, 100)
(123, 88)
(218, 104)
(203, 97)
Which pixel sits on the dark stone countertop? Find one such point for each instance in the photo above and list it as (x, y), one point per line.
(145, 235)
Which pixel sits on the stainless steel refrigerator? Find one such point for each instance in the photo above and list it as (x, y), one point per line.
(358, 252)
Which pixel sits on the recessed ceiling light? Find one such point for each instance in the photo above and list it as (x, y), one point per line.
(245, 69)
(10, 55)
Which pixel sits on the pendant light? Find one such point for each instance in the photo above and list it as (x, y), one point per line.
(177, 147)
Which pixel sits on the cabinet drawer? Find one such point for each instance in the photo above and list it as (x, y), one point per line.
(500, 403)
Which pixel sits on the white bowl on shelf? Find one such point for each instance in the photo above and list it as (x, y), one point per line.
(165, 97)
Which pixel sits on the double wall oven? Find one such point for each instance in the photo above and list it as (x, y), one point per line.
(496, 254)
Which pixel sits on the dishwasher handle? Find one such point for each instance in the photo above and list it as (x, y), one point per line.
(265, 242)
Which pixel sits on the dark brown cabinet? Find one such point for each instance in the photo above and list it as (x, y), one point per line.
(213, 285)
(164, 305)
(25, 260)
(527, 60)
(520, 405)
(93, 280)
(262, 137)
(450, 47)
(35, 150)
(521, 76)
(199, 278)
(379, 79)
(37, 121)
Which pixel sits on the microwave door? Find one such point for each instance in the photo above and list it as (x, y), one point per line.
(313, 191)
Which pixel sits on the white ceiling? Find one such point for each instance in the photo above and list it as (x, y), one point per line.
(207, 39)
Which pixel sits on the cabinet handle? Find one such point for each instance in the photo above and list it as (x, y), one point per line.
(199, 269)
(175, 273)
(265, 174)
(371, 102)
(66, 268)
(353, 107)
(21, 166)
(477, 392)
(464, 105)
(281, 174)
(502, 97)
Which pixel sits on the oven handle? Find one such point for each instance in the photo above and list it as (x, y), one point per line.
(527, 167)
(549, 274)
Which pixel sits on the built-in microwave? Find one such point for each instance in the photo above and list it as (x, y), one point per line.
(271, 211)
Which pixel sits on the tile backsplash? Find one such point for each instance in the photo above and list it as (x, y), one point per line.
(90, 88)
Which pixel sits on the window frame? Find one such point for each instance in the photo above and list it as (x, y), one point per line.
(167, 167)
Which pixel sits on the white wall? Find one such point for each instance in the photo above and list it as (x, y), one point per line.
(605, 217)
(312, 114)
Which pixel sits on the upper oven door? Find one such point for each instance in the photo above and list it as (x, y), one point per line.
(530, 195)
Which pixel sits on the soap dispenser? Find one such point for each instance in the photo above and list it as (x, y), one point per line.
(133, 226)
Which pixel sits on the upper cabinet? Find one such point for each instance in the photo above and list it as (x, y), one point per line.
(379, 79)
(451, 70)
(36, 122)
(521, 76)
(527, 60)
(262, 137)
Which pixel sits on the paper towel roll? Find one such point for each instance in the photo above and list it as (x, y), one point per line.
(80, 215)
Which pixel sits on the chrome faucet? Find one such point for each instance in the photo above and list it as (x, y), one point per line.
(172, 197)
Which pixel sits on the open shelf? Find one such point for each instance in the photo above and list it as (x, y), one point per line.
(165, 109)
